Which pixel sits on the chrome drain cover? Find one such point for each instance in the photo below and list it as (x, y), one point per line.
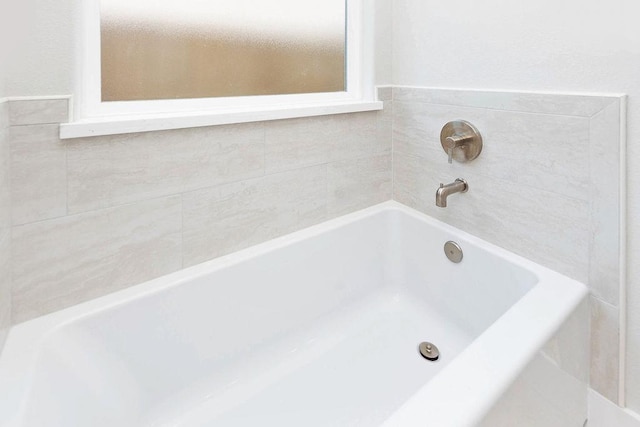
(453, 252)
(429, 351)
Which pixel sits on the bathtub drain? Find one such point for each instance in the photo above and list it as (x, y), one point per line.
(429, 351)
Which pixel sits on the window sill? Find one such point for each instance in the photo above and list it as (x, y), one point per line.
(116, 125)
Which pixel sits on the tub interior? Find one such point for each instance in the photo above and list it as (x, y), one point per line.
(322, 331)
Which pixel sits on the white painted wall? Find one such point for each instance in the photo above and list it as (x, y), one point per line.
(543, 45)
(3, 63)
(383, 42)
(4, 49)
(43, 49)
(3, 76)
(3, 87)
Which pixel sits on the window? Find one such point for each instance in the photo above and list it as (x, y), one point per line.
(201, 49)
(166, 64)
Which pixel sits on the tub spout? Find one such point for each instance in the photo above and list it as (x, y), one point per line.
(458, 186)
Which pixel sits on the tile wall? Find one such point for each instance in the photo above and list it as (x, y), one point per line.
(91, 216)
(5, 225)
(546, 186)
(95, 215)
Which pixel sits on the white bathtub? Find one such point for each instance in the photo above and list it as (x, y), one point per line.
(318, 328)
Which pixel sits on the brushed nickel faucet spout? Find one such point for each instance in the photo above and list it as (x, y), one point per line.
(458, 186)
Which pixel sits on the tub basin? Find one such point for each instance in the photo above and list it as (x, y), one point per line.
(317, 328)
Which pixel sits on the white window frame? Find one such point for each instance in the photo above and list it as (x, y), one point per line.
(92, 117)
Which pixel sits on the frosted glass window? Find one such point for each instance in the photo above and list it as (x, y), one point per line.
(169, 49)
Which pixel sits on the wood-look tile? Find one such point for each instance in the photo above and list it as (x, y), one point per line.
(526, 102)
(292, 144)
(5, 178)
(604, 153)
(5, 283)
(605, 345)
(546, 152)
(38, 174)
(295, 143)
(231, 217)
(38, 111)
(360, 183)
(62, 262)
(545, 227)
(110, 171)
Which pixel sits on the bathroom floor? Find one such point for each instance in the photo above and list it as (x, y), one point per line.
(363, 358)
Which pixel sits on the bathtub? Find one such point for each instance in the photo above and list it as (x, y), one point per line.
(317, 328)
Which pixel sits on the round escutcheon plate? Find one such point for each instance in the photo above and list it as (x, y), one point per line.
(464, 131)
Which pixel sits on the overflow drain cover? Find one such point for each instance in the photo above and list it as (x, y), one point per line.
(429, 351)
(453, 252)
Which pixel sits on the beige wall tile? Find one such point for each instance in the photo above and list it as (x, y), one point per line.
(545, 227)
(605, 342)
(38, 111)
(633, 310)
(292, 144)
(570, 347)
(532, 191)
(5, 226)
(604, 151)
(4, 114)
(5, 178)
(385, 126)
(109, 171)
(62, 262)
(546, 152)
(230, 217)
(38, 174)
(545, 103)
(357, 184)
(359, 135)
(546, 186)
(385, 93)
(5, 283)
(107, 178)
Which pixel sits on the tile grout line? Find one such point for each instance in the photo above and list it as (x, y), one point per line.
(209, 187)
(172, 195)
